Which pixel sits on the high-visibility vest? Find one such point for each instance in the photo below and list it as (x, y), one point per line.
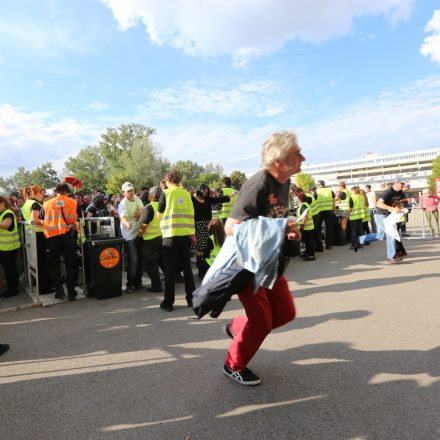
(54, 223)
(9, 240)
(308, 226)
(153, 229)
(344, 205)
(178, 218)
(214, 252)
(358, 207)
(366, 217)
(80, 224)
(314, 207)
(227, 206)
(26, 212)
(325, 199)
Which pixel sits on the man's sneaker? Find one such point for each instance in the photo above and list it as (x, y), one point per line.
(130, 289)
(59, 292)
(391, 260)
(4, 348)
(246, 377)
(401, 254)
(72, 293)
(166, 307)
(227, 330)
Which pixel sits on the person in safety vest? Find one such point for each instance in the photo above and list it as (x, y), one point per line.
(61, 234)
(130, 209)
(366, 218)
(152, 239)
(9, 246)
(31, 212)
(231, 192)
(306, 226)
(314, 207)
(178, 233)
(356, 214)
(216, 239)
(265, 194)
(326, 202)
(342, 199)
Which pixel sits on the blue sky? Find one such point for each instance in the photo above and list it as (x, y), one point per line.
(215, 78)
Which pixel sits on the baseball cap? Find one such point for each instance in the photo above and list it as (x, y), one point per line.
(127, 186)
(399, 179)
(155, 190)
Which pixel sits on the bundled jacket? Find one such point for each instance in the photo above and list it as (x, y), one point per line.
(250, 254)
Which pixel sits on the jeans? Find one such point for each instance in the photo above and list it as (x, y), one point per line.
(372, 221)
(379, 235)
(265, 310)
(135, 267)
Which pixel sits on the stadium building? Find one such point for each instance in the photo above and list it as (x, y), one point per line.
(374, 169)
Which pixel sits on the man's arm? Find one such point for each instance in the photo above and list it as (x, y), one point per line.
(381, 204)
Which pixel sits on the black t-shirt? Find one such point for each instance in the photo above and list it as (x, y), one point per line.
(390, 197)
(203, 210)
(262, 195)
(147, 214)
(11, 216)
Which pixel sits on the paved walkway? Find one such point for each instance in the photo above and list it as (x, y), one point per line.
(361, 361)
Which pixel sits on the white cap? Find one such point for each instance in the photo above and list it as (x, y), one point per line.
(127, 186)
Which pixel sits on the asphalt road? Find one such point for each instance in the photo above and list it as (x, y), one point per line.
(361, 361)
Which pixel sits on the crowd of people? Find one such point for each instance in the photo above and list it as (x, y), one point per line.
(163, 225)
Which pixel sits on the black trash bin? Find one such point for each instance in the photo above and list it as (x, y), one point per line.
(105, 268)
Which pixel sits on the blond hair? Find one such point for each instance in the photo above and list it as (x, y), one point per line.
(277, 147)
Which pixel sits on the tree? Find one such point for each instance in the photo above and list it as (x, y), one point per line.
(435, 173)
(90, 166)
(44, 176)
(213, 180)
(116, 141)
(214, 169)
(17, 181)
(237, 178)
(190, 171)
(304, 181)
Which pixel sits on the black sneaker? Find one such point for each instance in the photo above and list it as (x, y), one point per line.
(227, 330)
(246, 377)
(130, 289)
(59, 292)
(4, 348)
(166, 307)
(72, 293)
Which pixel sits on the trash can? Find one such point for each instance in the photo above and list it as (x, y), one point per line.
(105, 268)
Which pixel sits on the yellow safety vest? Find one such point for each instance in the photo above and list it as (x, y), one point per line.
(314, 207)
(153, 229)
(344, 205)
(80, 223)
(27, 213)
(178, 218)
(325, 199)
(366, 217)
(358, 207)
(9, 240)
(227, 206)
(308, 226)
(214, 252)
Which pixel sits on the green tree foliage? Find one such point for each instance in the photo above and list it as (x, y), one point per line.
(435, 173)
(304, 181)
(116, 141)
(237, 178)
(44, 176)
(115, 182)
(90, 166)
(211, 179)
(190, 172)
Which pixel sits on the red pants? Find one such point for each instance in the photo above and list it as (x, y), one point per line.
(265, 310)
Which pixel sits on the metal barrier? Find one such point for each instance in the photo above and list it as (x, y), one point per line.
(418, 224)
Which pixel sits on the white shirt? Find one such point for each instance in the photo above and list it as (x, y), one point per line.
(127, 208)
(371, 197)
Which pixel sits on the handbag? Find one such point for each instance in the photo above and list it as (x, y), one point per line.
(72, 232)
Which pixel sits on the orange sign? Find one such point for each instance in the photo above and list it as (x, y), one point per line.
(109, 258)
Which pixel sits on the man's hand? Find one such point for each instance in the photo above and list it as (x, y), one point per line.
(292, 231)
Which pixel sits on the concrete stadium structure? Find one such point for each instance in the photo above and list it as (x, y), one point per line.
(374, 169)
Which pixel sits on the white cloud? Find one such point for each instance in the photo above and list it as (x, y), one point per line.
(431, 44)
(256, 98)
(98, 105)
(30, 138)
(402, 120)
(248, 28)
(38, 83)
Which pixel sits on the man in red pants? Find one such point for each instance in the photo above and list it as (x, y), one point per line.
(266, 193)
